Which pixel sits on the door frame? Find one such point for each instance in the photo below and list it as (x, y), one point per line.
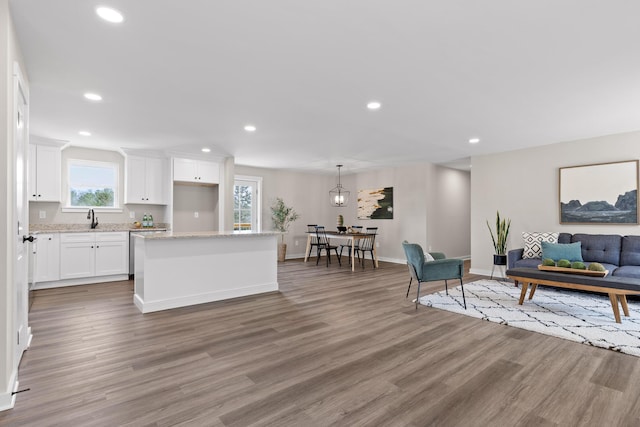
(258, 208)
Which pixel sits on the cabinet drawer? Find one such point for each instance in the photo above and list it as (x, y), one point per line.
(112, 236)
(77, 237)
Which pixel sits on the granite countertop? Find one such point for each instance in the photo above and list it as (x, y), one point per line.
(85, 228)
(205, 234)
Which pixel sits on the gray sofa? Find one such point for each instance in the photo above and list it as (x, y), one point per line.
(619, 254)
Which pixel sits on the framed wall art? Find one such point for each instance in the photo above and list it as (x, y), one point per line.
(605, 193)
(376, 203)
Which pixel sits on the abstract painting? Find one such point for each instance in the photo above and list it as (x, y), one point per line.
(376, 203)
(605, 193)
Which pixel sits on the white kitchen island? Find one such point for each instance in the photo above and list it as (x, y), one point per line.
(181, 269)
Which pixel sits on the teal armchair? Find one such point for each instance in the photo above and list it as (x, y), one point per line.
(441, 268)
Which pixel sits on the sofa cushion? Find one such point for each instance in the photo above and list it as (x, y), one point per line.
(564, 237)
(558, 251)
(627, 271)
(630, 250)
(602, 248)
(532, 247)
(527, 263)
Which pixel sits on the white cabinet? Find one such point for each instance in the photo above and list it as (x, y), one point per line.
(200, 171)
(45, 163)
(145, 180)
(47, 258)
(93, 254)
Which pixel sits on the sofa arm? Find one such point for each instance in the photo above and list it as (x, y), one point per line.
(441, 269)
(513, 256)
(437, 255)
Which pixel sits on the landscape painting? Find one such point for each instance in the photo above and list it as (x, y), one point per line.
(376, 203)
(605, 193)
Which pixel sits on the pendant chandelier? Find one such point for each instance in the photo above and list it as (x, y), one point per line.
(339, 197)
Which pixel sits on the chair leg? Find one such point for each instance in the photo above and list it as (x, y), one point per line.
(318, 258)
(409, 288)
(339, 261)
(446, 287)
(418, 295)
(373, 262)
(463, 298)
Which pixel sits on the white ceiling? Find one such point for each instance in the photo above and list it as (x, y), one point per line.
(185, 74)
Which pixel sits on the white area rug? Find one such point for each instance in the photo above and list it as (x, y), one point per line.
(576, 316)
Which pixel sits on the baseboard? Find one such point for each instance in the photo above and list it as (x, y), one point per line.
(8, 398)
(497, 273)
(80, 281)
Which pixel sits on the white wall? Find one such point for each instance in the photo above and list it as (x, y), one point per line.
(431, 206)
(187, 199)
(523, 185)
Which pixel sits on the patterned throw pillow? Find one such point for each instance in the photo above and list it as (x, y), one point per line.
(532, 243)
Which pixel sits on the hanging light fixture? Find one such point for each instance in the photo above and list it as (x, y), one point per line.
(339, 197)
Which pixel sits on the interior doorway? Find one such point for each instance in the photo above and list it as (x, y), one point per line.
(247, 204)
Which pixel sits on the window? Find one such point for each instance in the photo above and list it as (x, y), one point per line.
(246, 203)
(92, 184)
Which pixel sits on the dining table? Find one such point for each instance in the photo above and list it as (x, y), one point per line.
(352, 237)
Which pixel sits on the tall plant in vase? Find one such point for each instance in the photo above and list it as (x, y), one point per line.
(499, 237)
(282, 216)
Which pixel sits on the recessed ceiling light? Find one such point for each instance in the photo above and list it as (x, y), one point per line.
(84, 133)
(474, 140)
(206, 150)
(374, 105)
(109, 14)
(250, 128)
(93, 96)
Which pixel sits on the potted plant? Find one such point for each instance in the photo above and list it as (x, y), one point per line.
(499, 239)
(282, 216)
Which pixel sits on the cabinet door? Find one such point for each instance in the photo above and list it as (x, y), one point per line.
(47, 258)
(135, 180)
(185, 170)
(112, 258)
(48, 171)
(208, 172)
(155, 178)
(77, 259)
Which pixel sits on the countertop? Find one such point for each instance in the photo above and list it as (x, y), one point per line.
(85, 228)
(205, 234)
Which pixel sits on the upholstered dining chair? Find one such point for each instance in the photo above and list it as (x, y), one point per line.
(355, 229)
(441, 268)
(325, 245)
(311, 228)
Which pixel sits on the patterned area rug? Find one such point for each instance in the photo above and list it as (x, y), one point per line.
(576, 316)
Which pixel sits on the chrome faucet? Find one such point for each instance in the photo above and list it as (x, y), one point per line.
(94, 219)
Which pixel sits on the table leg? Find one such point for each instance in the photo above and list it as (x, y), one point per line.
(375, 256)
(353, 254)
(614, 304)
(534, 286)
(306, 251)
(623, 303)
(523, 293)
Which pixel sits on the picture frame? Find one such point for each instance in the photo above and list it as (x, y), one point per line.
(375, 203)
(602, 193)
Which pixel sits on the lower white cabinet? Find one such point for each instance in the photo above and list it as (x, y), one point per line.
(93, 254)
(47, 258)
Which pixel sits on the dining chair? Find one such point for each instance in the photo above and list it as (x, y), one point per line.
(367, 244)
(311, 228)
(355, 229)
(325, 245)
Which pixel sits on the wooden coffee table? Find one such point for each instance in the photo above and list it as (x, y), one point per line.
(616, 287)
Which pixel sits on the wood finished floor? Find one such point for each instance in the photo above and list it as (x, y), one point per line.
(331, 348)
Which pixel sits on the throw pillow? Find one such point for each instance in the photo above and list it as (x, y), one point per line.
(428, 257)
(558, 251)
(532, 247)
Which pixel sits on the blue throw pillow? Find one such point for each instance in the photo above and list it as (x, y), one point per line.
(558, 251)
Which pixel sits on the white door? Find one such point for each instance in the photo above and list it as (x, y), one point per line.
(21, 212)
(246, 203)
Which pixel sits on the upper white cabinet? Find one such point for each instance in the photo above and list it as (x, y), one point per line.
(200, 171)
(45, 163)
(145, 180)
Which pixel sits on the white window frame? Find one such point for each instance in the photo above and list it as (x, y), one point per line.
(258, 199)
(116, 190)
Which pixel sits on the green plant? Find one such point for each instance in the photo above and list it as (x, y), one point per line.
(501, 233)
(548, 262)
(282, 216)
(578, 265)
(565, 263)
(596, 266)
